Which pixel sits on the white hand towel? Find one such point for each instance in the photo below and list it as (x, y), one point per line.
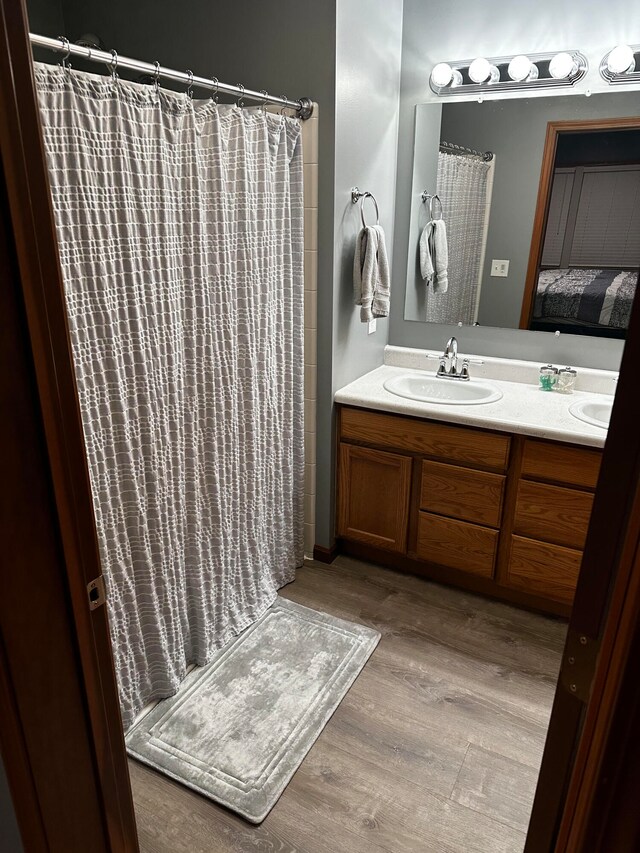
(434, 255)
(371, 279)
(441, 251)
(427, 270)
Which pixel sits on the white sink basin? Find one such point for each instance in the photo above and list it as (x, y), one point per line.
(428, 389)
(595, 412)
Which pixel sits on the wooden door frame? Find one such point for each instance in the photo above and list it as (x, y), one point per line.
(47, 498)
(554, 129)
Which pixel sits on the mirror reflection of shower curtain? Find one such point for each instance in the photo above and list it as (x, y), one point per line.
(180, 227)
(464, 186)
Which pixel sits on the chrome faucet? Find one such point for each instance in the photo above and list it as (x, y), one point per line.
(448, 367)
(451, 355)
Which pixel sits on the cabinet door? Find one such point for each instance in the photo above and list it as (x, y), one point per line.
(373, 497)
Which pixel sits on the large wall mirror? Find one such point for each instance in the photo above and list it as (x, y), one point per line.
(538, 202)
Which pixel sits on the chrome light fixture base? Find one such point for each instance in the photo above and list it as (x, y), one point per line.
(504, 83)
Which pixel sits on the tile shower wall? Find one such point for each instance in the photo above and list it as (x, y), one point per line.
(310, 156)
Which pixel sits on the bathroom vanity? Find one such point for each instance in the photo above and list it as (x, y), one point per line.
(494, 498)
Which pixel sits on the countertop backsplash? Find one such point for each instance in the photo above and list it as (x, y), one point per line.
(504, 369)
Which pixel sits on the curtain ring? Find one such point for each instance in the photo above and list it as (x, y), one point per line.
(156, 77)
(67, 47)
(215, 86)
(284, 106)
(114, 65)
(364, 197)
(265, 98)
(240, 100)
(190, 84)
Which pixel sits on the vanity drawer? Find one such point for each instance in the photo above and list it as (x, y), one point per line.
(543, 569)
(457, 544)
(462, 493)
(576, 466)
(458, 444)
(553, 514)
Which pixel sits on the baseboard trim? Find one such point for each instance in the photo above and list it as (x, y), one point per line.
(325, 555)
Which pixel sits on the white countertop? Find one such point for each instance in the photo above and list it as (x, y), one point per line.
(523, 408)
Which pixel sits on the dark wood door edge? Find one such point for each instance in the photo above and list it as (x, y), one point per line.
(31, 219)
(608, 725)
(606, 573)
(15, 756)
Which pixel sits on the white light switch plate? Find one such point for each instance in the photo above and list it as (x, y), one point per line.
(500, 268)
(372, 326)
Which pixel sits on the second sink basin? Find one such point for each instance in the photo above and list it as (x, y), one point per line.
(595, 412)
(428, 389)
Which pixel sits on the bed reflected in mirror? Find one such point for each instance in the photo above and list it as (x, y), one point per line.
(585, 251)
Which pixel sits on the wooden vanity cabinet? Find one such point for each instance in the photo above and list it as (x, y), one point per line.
(551, 516)
(497, 513)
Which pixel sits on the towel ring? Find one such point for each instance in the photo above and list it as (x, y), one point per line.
(362, 201)
(356, 195)
(431, 206)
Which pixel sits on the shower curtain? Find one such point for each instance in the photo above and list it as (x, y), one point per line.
(181, 243)
(462, 186)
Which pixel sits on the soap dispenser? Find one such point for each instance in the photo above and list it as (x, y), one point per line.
(548, 377)
(566, 380)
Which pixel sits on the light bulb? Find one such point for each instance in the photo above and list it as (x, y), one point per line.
(562, 65)
(444, 75)
(621, 60)
(481, 71)
(441, 74)
(522, 68)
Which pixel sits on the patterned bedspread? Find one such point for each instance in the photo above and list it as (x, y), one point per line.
(591, 297)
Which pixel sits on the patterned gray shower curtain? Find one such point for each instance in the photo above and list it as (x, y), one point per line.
(181, 243)
(462, 188)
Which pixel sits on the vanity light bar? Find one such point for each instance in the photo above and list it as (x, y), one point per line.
(621, 65)
(533, 71)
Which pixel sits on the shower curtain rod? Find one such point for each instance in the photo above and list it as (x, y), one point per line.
(303, 107)
(487, 156)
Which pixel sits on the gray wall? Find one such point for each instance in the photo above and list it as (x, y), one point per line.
(369, 40)
(9, 835)
(466, 29)
(46, 18)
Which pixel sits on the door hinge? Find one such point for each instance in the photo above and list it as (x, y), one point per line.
(96, 593)
(579, 664)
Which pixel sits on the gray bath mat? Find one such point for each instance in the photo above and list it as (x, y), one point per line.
(239, 728)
